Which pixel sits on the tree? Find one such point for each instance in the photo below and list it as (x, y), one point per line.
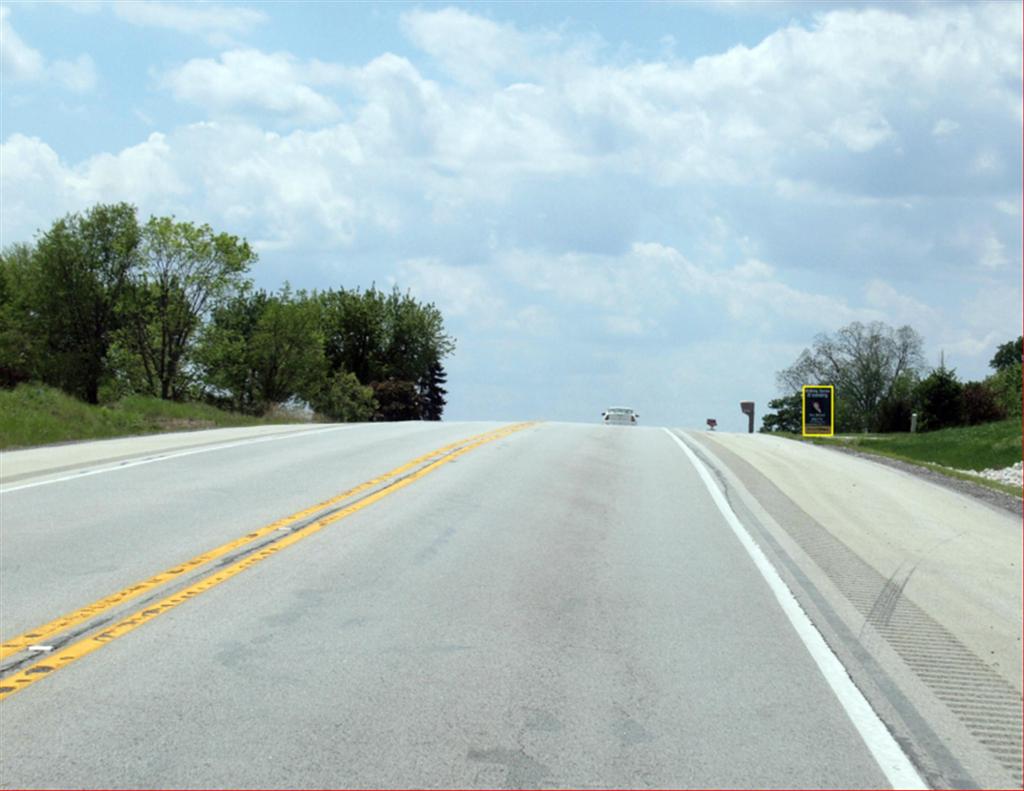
(223, 352)
(981, 404)
(396, 400)
(1008, 354)
(1006, 386)
(286, 350)
(380, 337)
(940, 400)
(864, 363)
(19, 344)
(788, 415)
(83, 266)
(432, 393)
(353, 328)
(896, 410)
(185, 272)
(414, 338)
(262, 349)
(342, 398)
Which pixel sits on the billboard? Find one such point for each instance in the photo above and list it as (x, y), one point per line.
(819, 409)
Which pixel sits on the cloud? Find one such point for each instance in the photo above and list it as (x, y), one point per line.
(244, 81)
(217, 23)
(19, 60)
(537, 186)
(21, 63)
(78, 75)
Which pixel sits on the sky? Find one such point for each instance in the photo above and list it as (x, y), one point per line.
(656, 205)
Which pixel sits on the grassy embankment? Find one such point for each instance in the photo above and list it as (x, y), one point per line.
(988, 446)
(33, 415)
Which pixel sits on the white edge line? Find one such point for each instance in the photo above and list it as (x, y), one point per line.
(884, 749)
(124, 465)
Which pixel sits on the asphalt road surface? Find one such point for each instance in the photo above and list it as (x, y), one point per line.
(491, 605)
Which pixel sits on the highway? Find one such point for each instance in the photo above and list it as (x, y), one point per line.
(491, 605)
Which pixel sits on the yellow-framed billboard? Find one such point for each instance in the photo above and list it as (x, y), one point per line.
(818, 410)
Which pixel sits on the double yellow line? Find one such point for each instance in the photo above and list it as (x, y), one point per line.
(384, 484)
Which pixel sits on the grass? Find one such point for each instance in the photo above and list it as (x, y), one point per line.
(33, 414)
(988, 446)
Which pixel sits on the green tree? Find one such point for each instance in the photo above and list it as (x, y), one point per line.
(414, 338)
(1008, 354)
(185, 272)
(896, 409)
(981, 404)
(342, 398)
(223, 351)
(84, 264)
(432, 393)
(787, 416)
(19, 342)
(354, 332)
(260, 350)
(940, 400)
(1006, 385)
(286, 349)
(863, 362)
(396, 400)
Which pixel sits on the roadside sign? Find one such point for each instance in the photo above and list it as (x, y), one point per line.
(819, 410)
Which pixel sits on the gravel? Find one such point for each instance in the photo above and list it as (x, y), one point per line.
(1013, 476)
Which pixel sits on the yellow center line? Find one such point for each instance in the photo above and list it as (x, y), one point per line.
(75, 651)
(41, 634)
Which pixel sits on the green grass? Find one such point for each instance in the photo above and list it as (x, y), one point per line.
(988, 446)
(33, 414)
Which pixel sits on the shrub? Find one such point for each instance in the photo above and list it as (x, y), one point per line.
(894, 415)
(788, 416)
(397, 399)
(1006, 387)
(940, 400)
(981, 404)
(345, 399)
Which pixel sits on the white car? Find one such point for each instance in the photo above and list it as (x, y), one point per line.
(619, 416)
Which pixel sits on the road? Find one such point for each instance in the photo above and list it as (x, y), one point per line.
(495, 605)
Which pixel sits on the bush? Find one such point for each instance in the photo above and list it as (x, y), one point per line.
(940, 400)
(894, 415)
(397, 399)
(981, 404)
(1006, 387)
(345, 399)
(788, 417)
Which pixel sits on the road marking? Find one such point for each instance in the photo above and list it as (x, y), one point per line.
(75, 651)
(25, 640)
(127, 464)
(880, 743)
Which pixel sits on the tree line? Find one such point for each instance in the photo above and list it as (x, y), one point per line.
(102, 306)
(881, 378)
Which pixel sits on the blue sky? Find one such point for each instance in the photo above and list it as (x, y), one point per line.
(652, 204)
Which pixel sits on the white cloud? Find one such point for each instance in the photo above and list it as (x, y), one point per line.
(78, 75)
(899, 308)
(460, 292)
(861, 131)
(944, 127)
(20, 62)
(244, 81)
(218, 23)
(469, 47)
